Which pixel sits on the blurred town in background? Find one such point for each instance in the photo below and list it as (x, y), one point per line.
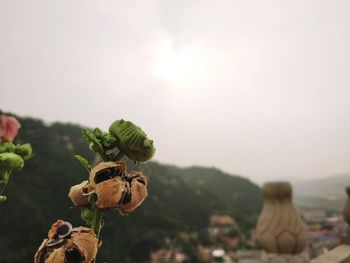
(225, 243)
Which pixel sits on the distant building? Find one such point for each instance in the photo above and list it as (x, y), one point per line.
(168, 256)
(223, 230)
(222, 220)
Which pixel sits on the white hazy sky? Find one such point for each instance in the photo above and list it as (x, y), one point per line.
(257, 88)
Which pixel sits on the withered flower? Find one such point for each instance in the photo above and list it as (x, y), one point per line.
(117, 189)
(105, 171)
(135, 192)
(79, 193)
(66, 244)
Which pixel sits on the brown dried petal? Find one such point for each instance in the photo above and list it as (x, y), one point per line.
(53, 231)
(117, 168)
(57, 256)
(109, 193)
(64, 229)
(40, 251)
(138, 192)
(54, 256)
(85, 240)
(76, 193)
(54, 242)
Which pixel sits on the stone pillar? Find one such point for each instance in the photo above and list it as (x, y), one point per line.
(346, 215)
(280, 230)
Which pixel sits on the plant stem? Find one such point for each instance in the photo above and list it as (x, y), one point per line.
(97, 224)
(119, 156)
(97, 220)
(4, 179)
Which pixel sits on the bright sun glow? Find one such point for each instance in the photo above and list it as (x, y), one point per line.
(180, 68)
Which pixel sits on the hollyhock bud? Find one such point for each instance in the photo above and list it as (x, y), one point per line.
(24, 150)
(132, 141)
(11, 161)
(8, 128)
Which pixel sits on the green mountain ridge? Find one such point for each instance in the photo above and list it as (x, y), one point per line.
(180, 199)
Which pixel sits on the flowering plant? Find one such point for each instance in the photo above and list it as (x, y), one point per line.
(12, 156)
(109, 186)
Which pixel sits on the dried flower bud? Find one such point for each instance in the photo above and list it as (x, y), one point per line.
(116, 189)
(136, 192)
(67, 244)
(78, 193)
(106, 178)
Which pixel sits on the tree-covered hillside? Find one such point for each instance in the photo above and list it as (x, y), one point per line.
(180, 200)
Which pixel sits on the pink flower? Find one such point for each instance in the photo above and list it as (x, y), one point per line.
(8, 128)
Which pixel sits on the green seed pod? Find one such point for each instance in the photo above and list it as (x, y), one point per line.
(7, 147)
(11, 161)
(24, 150)
(132, 140)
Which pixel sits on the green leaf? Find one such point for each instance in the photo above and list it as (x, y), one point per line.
(109, 141)
(84, 162)
(108, 138)
(90, 137)
(98, 133)
(2, 198)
